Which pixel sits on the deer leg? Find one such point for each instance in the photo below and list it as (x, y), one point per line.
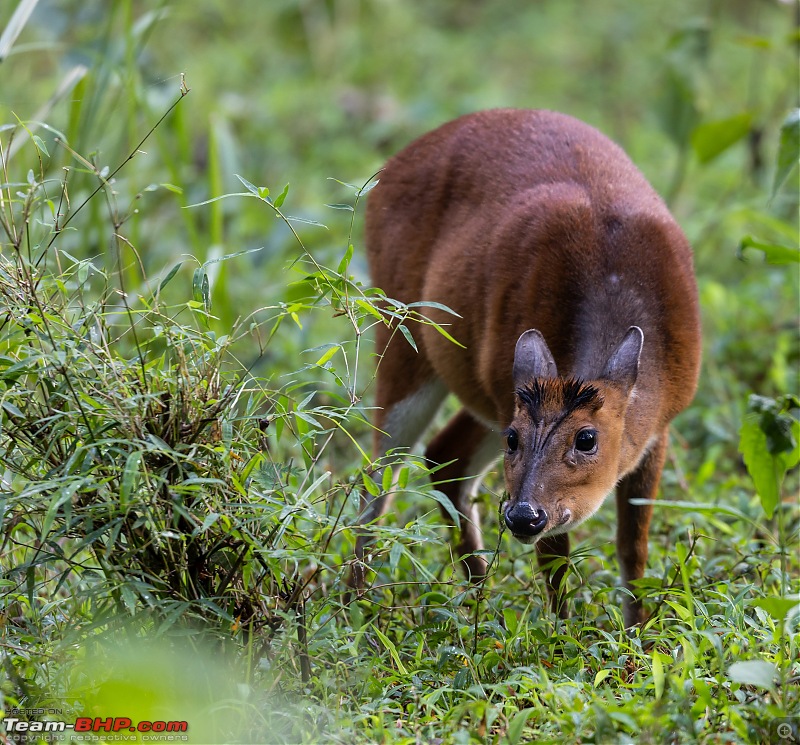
(551, 550)
(472, 447)
(400, 424)
(633, 523)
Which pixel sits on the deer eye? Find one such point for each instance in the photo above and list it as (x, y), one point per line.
(586, 441)
(512, 439)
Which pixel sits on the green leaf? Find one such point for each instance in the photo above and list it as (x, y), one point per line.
(713, 138)
(250, 187)
(447, 505)
(402, 479)
(129, 474)
(368, 308)
(788, 149)
(201, 288)
(234, 255)
(392, 650)
(386, 482)
(368, 187)
(754, 672)
(216, 199)
(281, 198)
(327, 356)
(62, 496)
(209, 520)
(345, 262)
(601, 676)
(710, 508)
(774, 253)
(305, 221)
(517, 726)
(658, 675)
(683, 612)
(769, 442)
(678, 107)
(170, 274)
(15, 25)
(370, 485)
(129, 598)
(13, 410)
(446, 334)
(431, 304)
(462, 679)
(778, 431)
(395, 553)
(39, 142)
(410, 339)
(777, 607)
(760, 463)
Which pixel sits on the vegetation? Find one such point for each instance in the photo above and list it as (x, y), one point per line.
(186, 370)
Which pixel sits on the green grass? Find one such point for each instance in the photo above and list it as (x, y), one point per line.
(186, 379)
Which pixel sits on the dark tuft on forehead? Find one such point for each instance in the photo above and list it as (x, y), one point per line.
(558, 396)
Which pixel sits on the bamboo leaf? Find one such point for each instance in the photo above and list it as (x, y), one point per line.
(129, 474)
(758, 673)
(407, 334)
(658, 674)
(345, 262)
(200, 288)
(713, 138)
(252, 188)
(170, 274)
(788, 149)
(517, 726)
(15, 25)
(327, 356)
(392, 650)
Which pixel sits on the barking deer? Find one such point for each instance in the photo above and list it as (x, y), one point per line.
(578, 315)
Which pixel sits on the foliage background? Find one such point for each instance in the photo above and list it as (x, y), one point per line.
(313, 94)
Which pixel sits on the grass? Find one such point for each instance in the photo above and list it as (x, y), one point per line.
(186, 376)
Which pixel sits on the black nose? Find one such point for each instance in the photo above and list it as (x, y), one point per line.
(522, 519)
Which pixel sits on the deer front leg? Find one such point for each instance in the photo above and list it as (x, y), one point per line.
(633, 523)
(400, 424)
(468, 448)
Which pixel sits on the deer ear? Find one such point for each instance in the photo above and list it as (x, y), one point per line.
(623, 365)
(532, 359)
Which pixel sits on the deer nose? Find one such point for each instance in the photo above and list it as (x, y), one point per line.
(524, 520)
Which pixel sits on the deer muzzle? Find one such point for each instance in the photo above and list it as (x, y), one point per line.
(526, 521)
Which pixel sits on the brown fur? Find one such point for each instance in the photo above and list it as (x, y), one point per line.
(524, 220)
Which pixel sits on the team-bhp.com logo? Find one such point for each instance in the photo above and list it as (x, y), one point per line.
(157, 731)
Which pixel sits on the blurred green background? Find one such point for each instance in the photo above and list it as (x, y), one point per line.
(302, 92)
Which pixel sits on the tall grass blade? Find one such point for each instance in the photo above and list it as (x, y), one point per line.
(15, 26)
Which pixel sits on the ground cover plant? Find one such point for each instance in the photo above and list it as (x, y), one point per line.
(186, 374)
